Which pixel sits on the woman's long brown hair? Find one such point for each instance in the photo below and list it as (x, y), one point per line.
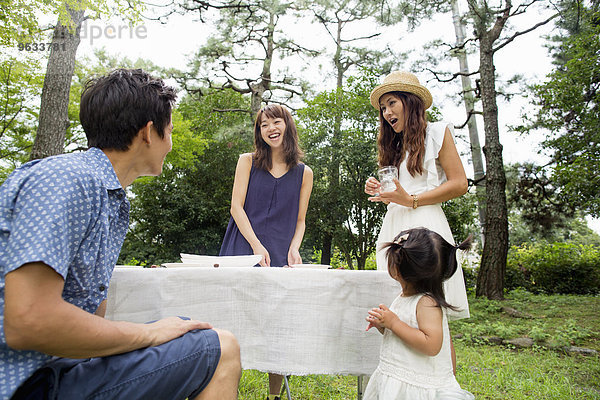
(393, 146)
(291, 149)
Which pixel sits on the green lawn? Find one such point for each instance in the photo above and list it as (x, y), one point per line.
(497, 371)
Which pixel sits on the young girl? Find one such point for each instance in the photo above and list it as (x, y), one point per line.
(415, 360)
(429, 167)
(270, 197)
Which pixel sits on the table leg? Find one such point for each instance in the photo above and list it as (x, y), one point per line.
(287, 387)
(361, 384)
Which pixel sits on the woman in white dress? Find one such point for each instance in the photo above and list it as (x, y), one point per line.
(429, 167)
(415, 361)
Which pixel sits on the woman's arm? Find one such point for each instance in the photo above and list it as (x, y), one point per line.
(238, 197)
(305, 191)
(455, 186)
(427, 339)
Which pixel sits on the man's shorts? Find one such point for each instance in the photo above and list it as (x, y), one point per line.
(177, 369)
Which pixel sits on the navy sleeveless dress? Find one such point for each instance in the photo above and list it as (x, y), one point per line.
(272, 208)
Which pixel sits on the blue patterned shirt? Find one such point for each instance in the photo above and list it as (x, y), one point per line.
(71, 213)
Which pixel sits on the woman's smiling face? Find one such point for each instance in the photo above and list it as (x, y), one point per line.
(392, 110)
(272, 130)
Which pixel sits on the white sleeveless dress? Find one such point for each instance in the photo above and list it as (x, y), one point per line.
(404, 373)
(399, 218)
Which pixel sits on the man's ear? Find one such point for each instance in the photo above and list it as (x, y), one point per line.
(145, 132)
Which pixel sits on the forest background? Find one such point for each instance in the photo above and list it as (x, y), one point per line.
(321, 58)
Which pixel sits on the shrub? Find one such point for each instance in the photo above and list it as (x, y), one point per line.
(554, 268)
(470, 275)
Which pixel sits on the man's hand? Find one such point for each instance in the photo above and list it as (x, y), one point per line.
(167, 329)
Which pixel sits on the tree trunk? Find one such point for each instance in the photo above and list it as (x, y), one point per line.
(54, 109)
(326, 249)
(490, 280)
(469, 101)
(258, 90)
(334, 166)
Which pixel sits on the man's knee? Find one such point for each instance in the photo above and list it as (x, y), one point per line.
(230, 348)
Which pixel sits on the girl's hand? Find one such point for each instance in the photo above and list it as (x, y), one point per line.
(266, 259)
(381, 317)
(294, 257)
(374, 321)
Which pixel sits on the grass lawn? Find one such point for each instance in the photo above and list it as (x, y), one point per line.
(497, 371)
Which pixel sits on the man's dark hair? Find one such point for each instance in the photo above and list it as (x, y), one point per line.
(116, 106)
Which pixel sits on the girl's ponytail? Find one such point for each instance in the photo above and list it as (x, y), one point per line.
(452, 261)
(466, 244)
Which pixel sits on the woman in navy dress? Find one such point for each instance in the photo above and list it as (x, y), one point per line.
(270, 198)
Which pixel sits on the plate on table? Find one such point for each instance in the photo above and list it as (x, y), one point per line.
(313, 266)
(219, 261)
(178, 265)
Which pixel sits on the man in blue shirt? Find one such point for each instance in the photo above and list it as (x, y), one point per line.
(63, 220)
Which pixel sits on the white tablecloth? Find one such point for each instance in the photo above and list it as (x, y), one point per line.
(287, 320)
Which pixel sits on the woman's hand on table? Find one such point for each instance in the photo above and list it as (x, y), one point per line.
(294, 257)
(266, 258)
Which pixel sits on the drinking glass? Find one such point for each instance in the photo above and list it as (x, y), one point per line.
(386, 178)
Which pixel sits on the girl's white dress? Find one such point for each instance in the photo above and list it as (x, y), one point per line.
(404, 373)
(399, 218)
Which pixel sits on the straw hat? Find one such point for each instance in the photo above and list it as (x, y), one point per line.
(401, 81)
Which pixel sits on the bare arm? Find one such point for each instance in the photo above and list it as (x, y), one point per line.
(305, 191)
(238, 198)
(37, 318)
(455, 186)
(426, 339)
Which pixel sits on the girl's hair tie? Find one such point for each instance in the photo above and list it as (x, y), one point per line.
(400, 239)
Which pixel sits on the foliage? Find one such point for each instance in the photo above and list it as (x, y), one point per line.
(470, 275)
(539, 212)
(539, 201)
(18, 20)
(574, 230)
(554, 268)
(339, 17)
(569, 109)
(245, 52)
(343, 210)
(186, 208)
(337, 259)
(20, 85)
(461, 214)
